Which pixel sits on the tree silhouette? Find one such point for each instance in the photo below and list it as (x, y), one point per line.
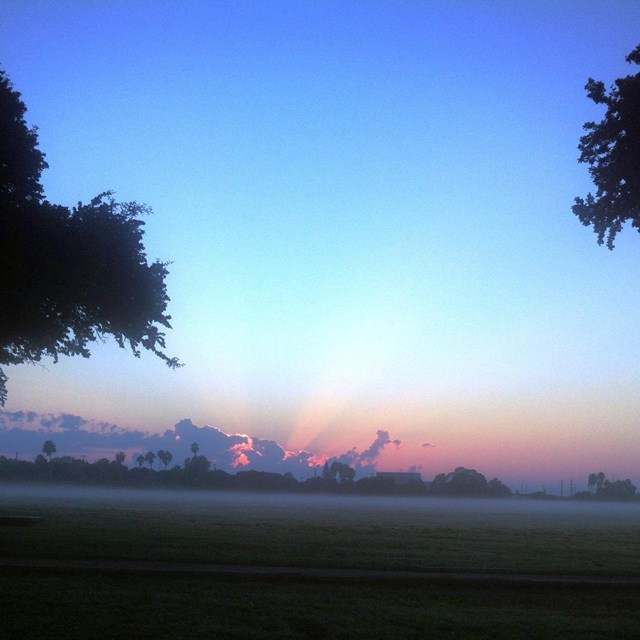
(196, 469)
(140, 460)
(467, 482)
(617, 490)
(120, 457)
(496, 489)
(610, 489)
(195, 447)
(165, 457)
(49, 448)
(69, 276)
(149, 458)
(343, 471)
(612, 150)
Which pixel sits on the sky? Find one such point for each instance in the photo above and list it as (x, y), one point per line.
(367, 209)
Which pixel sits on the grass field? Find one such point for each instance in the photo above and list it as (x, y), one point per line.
(311, 531)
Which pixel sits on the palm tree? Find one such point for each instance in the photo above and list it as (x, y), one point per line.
(150, 457)
(591, 482)
(121, 469)
(599, 481)
(195, 447)
(49, 447)
(140, 460)
(165, 457)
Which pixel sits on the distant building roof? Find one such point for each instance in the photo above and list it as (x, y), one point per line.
(400, 477)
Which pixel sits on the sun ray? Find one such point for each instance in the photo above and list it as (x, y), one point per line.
(353, 360)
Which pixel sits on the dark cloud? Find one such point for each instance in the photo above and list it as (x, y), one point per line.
(17, 416)
(71, 422)
(213, 443)
(382, 439)
(62, 421)
(427, 445)
(23, 434)
(365, 462)
(106, 427)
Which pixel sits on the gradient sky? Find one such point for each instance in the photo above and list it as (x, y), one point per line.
(368, 210)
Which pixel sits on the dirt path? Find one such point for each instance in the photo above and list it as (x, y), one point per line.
(10, 566)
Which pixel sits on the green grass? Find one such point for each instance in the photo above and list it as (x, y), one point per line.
(178, 607)
(309, 531)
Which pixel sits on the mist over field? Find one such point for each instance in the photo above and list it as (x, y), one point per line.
(227, 555)
(406, 511)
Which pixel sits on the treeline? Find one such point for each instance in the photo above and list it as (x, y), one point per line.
(337, 478)
(196, 472)
(600, 488)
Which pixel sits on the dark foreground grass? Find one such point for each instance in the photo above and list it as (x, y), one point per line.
(84, 606)
(307, 532)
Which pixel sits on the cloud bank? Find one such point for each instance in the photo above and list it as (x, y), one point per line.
(22, 434)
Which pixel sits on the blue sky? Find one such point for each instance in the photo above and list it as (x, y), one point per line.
(368, 210)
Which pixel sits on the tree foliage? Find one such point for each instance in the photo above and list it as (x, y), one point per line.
(603, 489)
(340, 470)
(617, 490)
(73, 276)
(165, 457)
(21, 162)
(467, 483)
(49, 448)
(612, 150)
(149, 458)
